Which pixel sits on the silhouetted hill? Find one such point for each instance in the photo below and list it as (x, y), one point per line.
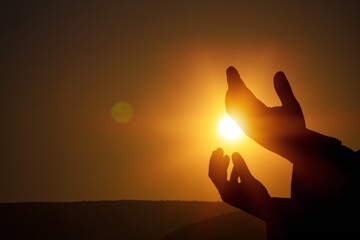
(107, 219)
(235, 225)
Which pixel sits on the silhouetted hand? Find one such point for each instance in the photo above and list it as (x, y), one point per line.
(269, 126)
(248, 194)
(323, 169)
(325, 180)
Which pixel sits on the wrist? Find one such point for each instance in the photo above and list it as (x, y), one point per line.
(313, 144)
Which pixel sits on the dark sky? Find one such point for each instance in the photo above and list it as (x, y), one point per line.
(64, 64)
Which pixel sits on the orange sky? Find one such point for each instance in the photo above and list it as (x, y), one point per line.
(65, 65)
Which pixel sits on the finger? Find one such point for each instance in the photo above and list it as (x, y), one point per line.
(237, 87)
(234, 177)
(233, 78)
(284, 91)
(217, 159)
(243, 170)
(226, 161)
(219, 152)
(218, 166)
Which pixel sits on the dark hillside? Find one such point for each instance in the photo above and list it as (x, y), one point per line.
(104, 219)
(235, 225)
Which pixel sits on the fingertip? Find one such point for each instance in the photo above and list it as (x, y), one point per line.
(230, 69)
(280, 74)
(236, 158)
(236, 155)
(283, 90)
(279, 79)
(240, 164)
(234, 80)
(232, 72)
(217, 153)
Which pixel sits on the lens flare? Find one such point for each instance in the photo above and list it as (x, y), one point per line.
(122, 112)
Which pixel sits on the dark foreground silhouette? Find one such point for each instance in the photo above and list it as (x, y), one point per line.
(223, 227)
(105, 220)
(325, 180)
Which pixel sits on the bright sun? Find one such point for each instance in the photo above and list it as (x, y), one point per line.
(229, 129)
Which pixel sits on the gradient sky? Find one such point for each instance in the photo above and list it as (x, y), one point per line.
(64, 65)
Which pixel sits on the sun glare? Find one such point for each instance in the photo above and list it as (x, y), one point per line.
(229, 129)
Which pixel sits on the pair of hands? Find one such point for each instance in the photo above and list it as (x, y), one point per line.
(325, 179)
(267, 126)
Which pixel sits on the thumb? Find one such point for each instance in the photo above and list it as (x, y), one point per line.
(233, 79)
(284, 91)
(242, 169)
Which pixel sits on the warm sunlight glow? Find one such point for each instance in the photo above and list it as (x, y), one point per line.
(229, 129)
